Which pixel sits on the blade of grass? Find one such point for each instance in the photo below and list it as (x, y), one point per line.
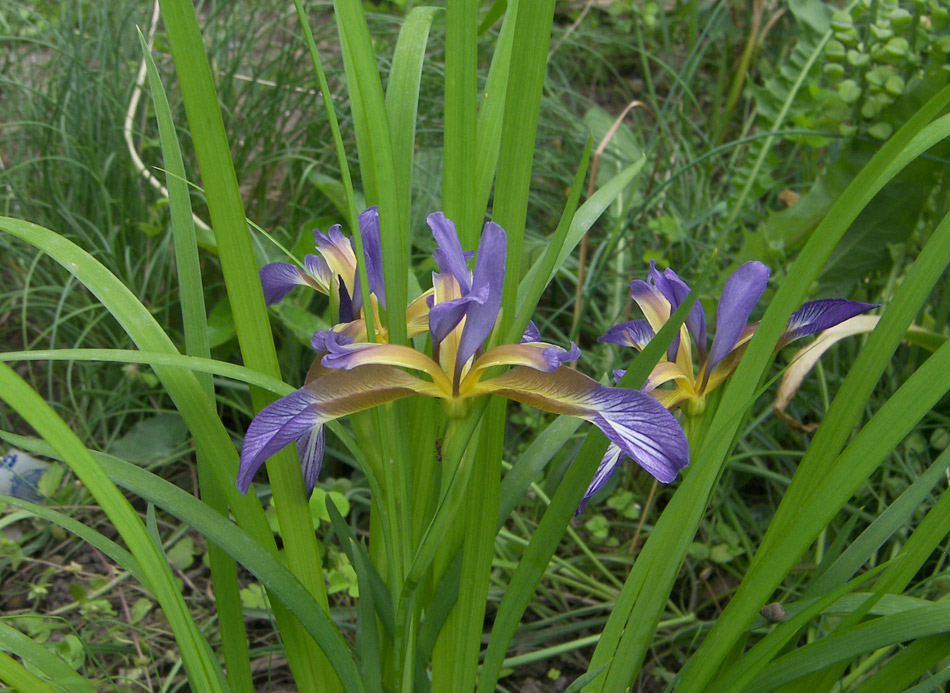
(908, 665)
(738, 676)
(918, 548)
(491, 110)
(402, 102)
(203, 672)
(15, 674)
(584, 218)
(894, 517)
(460, 135)
(108, 547)
(234, 641)
(540, 276)
(59, 672)
(866, 637)
(251, 322)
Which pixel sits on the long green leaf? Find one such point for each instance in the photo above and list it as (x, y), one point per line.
(867, 637)
(60, 674)
(374, 143)
(251, 322)
(402, 102)
(234, 639)
(460, 133)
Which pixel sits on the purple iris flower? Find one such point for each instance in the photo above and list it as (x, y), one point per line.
(662, 293)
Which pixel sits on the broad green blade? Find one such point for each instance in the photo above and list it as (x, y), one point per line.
(234, 641)
(460, 134)
(60, 674)
(843, 646)
(402, 103)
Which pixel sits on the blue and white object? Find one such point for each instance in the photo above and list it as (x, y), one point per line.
(20, 475)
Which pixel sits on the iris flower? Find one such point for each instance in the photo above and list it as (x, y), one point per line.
(335, 275)
(662, 294)
(460, 312)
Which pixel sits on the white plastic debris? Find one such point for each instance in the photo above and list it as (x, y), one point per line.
(20, 475)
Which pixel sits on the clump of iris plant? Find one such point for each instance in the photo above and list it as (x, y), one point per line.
(692, 379)
(459, 313)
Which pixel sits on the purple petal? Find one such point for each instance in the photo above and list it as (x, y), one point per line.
(448, 253)
(348, 309)
(557, 356)
(816, 316)
(664, 286)
(275, 426)
(639, 425)
(618, 374)
(740, 295)
(279, 278)
(644, 430)
(310, 449)
(327, 341)
(319, 268)
(696, 320)
(605, 471)
(373, 253)
(531, 333)
(489, 272)
(445, 317)
(636, 333)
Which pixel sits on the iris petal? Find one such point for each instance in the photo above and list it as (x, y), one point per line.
(652, 302)
(536, 355)
(448, 253)
(337, 250)
(531, 333)
(489, 273)
(328, 394)
(279, 278)
(320, 270)
(310, 448)
(696, 320)
(373, 252)
(604, 472)
(630, 419)
(739, 296)
(635, 333)
(664, 286)
(275, 426)
(816, 316)
(445, 317)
